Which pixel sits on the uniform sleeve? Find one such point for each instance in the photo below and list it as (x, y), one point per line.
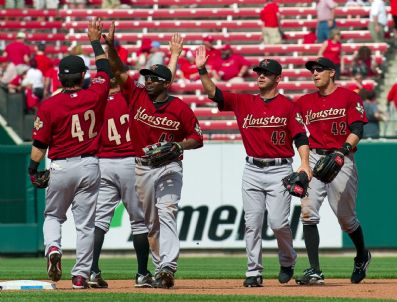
(355, 109)
(100, 85)
(131, 90)
(229, 101)
(191, 126)
(295, 121)
(42, 126)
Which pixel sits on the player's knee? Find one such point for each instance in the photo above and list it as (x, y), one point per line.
(275, 224)
(348, 224)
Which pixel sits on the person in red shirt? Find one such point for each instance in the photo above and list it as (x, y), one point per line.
(157, 117)
(214, 54)
(188, 67)
(392, 95)
(310, 37)
(270, 16)
(231, 67)
(335, 118)
(122, 52)
(332, 50)
(51, 81)
(43, 61)
(18, 52)
(269, 124)
(68, 124)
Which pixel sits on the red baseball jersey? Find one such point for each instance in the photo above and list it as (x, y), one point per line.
(115, 135)
(328, 117)
(172, 122)
(267, 127)
(70, 122)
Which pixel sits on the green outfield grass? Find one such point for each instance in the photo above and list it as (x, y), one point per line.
(226, 267)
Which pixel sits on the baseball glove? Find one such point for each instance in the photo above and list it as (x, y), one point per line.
(328, 167)
(296, 184)
(161, 154)
(40, 179)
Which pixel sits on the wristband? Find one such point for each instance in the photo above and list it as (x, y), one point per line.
(97, 48)
(33, 165)
(202, 71)
(346, 148)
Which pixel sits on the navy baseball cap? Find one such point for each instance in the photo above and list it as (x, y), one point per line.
(158, 70)
(324, 62)
(269, 65)
(72, 64)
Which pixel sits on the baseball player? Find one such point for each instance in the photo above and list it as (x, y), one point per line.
(269, 123)
(68, 124)
(117, 165)
(155, 116)
(335, 118)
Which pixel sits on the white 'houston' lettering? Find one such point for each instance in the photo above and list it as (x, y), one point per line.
(264, 122)
(156, 121)
(329, 114)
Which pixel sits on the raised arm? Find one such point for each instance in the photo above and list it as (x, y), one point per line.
(117, 66)
(94, 35)
(176, 46)
(201, 60)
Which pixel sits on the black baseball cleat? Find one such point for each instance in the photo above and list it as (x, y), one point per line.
(285, 274)
(311, 276)
(360, 268)
(253, 281)
(96, 281)
(164, 278)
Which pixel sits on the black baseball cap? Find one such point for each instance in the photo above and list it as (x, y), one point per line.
(324, 62)
(269, 65)
(72, 64)
(159, 70)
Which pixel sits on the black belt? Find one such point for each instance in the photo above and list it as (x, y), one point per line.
(82, 156)
(323, 151)
(263, 164)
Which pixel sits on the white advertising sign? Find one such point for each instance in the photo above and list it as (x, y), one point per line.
(211, 214)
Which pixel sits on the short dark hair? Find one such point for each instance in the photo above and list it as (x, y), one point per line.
(70, 80)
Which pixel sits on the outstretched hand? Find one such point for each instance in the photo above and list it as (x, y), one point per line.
(109, 38)
(176, 44)
(201, 57)
(94, 29)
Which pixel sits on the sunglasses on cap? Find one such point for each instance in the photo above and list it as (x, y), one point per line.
(318, 69)
(265, 73)
(153, 78)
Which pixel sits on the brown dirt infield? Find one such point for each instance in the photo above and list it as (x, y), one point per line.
(369, 288)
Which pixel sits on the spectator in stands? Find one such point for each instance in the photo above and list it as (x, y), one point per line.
(106, 4)
(77, 50)
(358, 83)
(143, 53)
(332, 50)
(8, 72)
(377, 20)
(34, 80)
(232, 67)
(45, 4)
(365, 62)
(52, 85)
(270, 16)
(212, 53)
(15, 85)
(188, 69)
(325, 18)
(374, 115)
(392, 96)
(393, 11)
(43, 61)
(122, 52)
(18, 52)
(310, 37)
